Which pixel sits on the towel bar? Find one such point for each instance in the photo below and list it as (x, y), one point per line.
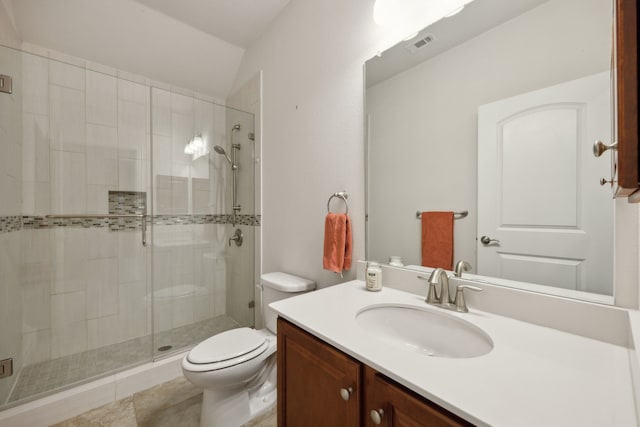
(456, 215)
(342, 195)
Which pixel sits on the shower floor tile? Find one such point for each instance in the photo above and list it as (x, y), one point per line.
(65, 371)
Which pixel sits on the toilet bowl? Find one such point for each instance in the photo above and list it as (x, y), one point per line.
(237, 368)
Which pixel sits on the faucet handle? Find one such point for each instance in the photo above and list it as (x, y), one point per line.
(460, 303)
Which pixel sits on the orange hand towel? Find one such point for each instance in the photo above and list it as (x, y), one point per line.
(337, 243)
(437, 239)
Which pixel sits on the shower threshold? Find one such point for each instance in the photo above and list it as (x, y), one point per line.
(57, 374)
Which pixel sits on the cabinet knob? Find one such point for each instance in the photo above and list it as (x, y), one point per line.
(376, 415)
(345, 393)
(600, 147)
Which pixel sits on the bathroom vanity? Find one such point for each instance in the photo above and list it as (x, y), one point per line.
(339, 367)
(325, 386)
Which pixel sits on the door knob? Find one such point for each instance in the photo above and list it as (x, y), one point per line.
(486, 240)
(600, 147)
(376, 415)
(345, 393)
(605, 181)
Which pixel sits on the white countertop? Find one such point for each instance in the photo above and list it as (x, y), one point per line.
(534, 376)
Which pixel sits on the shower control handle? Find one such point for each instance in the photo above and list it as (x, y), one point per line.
(237, 237)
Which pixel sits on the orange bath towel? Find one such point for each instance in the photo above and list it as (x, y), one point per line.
(437, 239)
(337, 243)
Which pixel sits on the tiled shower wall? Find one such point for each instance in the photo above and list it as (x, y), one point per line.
(192, 260)
(72, 135)
(86, 133)
(189, 258)
(10, 218)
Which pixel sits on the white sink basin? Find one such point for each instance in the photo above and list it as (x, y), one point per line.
(425, 331)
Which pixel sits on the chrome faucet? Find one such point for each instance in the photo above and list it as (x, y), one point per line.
(438, 277)
(443, 298)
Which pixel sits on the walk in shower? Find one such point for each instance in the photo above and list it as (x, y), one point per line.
(117, 222)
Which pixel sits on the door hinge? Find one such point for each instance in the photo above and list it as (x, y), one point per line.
(6, 84)
(6, 368)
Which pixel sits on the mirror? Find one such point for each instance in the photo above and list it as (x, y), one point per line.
(493, 112)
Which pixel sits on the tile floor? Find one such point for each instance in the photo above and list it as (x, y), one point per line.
(46, 376)
(171, 404)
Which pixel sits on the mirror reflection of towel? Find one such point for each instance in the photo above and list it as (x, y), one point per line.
(437, 239)
(337, 243)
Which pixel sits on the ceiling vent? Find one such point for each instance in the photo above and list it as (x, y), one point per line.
(423, 41)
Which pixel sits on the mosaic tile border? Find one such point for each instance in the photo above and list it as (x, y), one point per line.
(127, 202)
(125, 224)
(10, 223)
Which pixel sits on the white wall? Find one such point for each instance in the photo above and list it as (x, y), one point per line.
(423, 121)
(311, 60)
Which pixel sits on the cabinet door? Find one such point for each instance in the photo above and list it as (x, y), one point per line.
(311, 376)
(398, 407)
(627, 98)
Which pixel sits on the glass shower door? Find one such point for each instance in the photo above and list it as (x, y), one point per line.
(195, 291)
(83, 296)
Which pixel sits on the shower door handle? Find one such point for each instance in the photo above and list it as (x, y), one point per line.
(144, 230)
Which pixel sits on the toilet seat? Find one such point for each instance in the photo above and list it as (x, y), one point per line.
(227, 349)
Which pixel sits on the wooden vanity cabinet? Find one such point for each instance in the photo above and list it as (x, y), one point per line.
(628, 162)
(314, 379)
(398, 407)
(311, 379)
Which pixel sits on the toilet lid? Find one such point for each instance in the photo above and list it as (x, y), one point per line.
(226, 345)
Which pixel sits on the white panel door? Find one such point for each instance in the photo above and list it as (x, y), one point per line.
(538, 187)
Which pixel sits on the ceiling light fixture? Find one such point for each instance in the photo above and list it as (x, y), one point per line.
(196, 147)
(411, 16)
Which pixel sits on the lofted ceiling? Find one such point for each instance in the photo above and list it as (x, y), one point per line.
(239, 22)
(193, 44)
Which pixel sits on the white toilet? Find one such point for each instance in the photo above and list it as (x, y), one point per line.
(237, 368)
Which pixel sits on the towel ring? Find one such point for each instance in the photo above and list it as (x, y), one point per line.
(341, 195)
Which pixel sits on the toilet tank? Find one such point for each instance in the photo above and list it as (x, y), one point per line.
(276, 286)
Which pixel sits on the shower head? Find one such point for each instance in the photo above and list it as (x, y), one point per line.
(236, 127)
(218, 149)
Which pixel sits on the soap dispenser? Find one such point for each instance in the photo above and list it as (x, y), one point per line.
(373, 276)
